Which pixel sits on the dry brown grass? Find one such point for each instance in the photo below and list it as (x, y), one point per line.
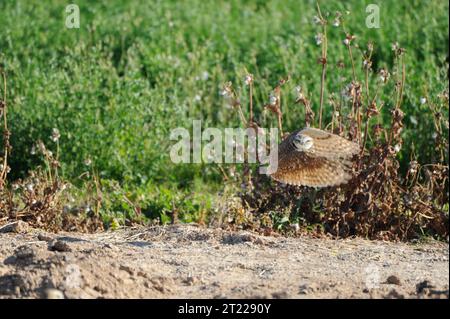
(379, 202)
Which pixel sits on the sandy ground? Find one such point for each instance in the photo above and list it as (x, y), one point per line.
(186, 261)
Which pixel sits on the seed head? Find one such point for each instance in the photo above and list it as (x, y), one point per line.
(318, 38)
(348, 39)
(384, 75)
(367, 64)
(395, 46)
(337, 19)
(226, 90)
(317, 20)
(55, 135)
(273, 99)
(248, 79)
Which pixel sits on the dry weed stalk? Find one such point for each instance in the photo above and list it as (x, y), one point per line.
(41, 198)
(378, 202)
(4, 169)
(323, 61)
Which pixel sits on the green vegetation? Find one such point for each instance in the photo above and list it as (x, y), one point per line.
(135, 70)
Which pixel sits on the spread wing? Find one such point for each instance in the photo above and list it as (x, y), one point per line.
(329, 145)
(326, 163)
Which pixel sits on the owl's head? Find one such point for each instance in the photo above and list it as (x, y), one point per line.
(302, 142)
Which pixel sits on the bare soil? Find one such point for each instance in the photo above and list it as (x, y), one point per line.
(188, 261)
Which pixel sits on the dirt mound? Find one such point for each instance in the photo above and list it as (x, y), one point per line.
(186, 261)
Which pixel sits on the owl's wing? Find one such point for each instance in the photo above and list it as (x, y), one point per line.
(329, 145)
(300, 169)
(320, 168)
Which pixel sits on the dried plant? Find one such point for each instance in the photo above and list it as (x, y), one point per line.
(41, 198)
(379, 202)
(4, 168)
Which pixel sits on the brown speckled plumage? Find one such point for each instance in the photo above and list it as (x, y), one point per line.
(326, 163)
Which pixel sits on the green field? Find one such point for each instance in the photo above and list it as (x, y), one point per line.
(134, 70)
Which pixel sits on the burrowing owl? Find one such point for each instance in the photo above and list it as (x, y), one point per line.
(315, 158)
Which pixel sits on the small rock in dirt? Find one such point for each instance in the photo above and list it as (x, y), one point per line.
(198, 236)
(393, 280)
(58, 245)
(303, 290)
(421, 287)
(280, 295)
(426, 289)
(12, 284)
(100, 289)
(307, 288)
(159, 288)
(160, 284)
(19, 227)
(190, 280)
(111, 246)
(259, 241)
(394, 294)
(142, 274)
(52, 293)
(44, 237)
(128, 269)
(233, 239)
(24, 252)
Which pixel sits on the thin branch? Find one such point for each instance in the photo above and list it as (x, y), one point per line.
(323, 61)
